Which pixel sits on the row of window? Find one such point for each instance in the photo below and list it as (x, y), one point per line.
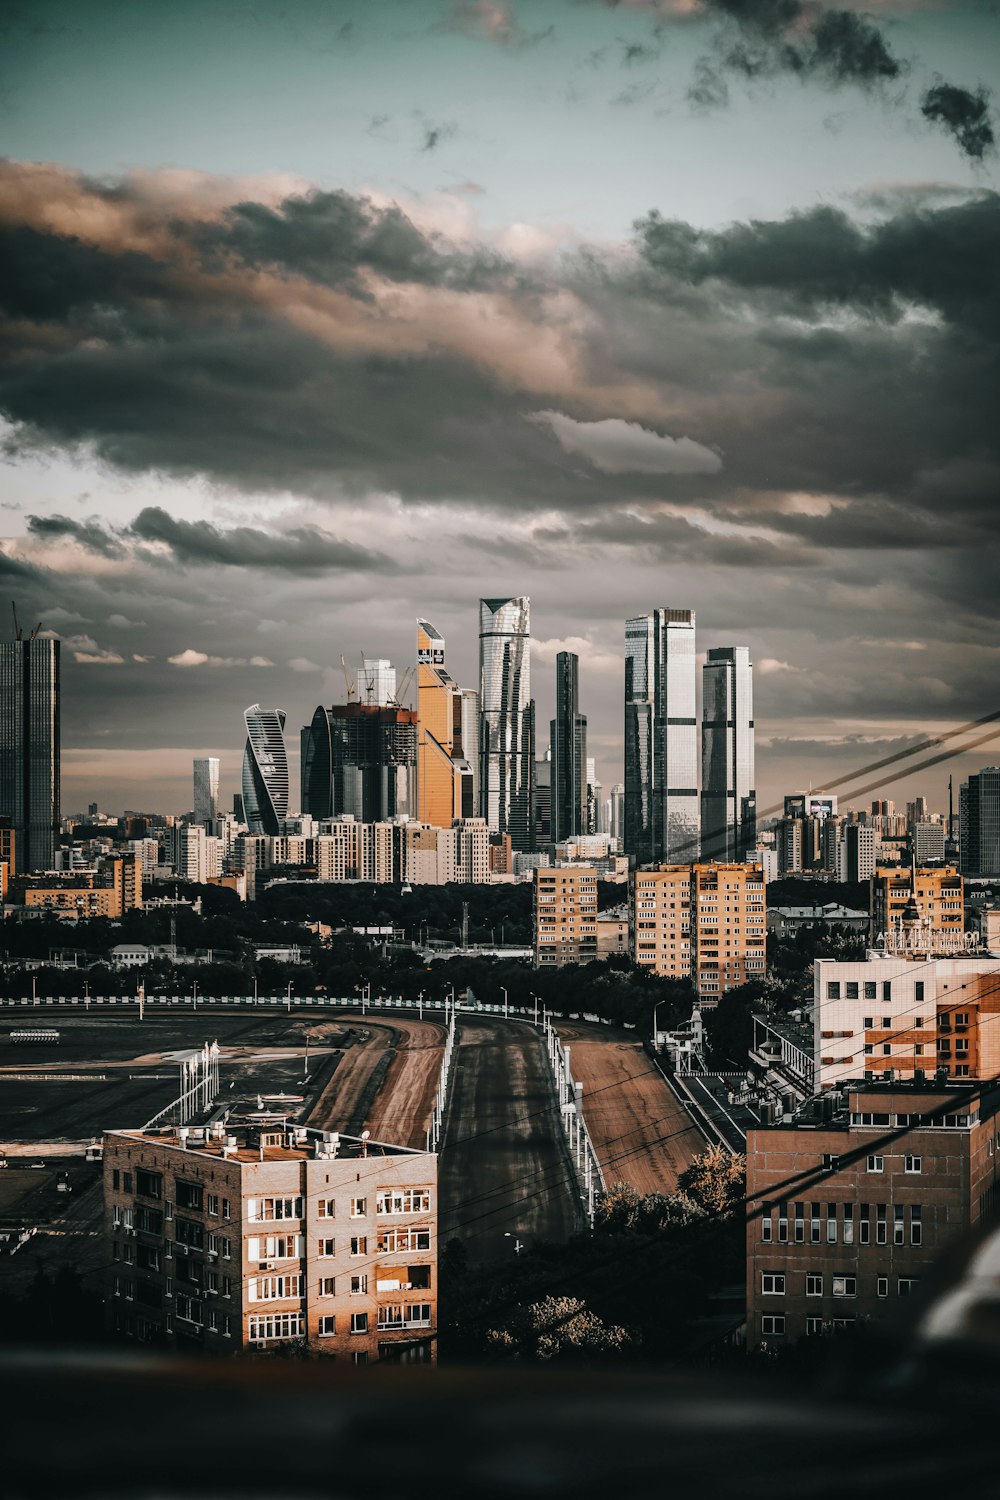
(840, 1221)
(387, 1201)
(774, 1284)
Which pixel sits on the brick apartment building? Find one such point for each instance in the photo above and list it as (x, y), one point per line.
(704, 922)
(937, 894)
(846, 1248)
(565, 916)
(224, 1240)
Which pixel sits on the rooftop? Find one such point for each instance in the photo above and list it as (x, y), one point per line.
(265, 1137)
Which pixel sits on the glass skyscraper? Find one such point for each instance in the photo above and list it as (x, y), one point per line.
(206, 790)
(979, 807)
(569, 753)
(446, 778)
(661, 738)
(360, 758)
(30, 749)
(265, 770)
(507, 719)
(728, 798)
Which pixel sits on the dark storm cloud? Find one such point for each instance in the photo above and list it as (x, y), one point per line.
(964, 115)
(303, 550)
(88, 534)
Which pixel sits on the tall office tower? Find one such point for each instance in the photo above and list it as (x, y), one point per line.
(29, 748)
(541, 801)
(616, 826)
(728, 798)
(265, 770)
(361, 759)
(917, 811)
(507, 719)
(445, 778)
(979, 819)
(206, 790)
(569, 752)
(661, 737)
(593, 797)
(377, 681)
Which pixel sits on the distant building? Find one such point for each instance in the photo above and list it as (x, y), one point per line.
(928, 842)
(30, 756)
(446, 765)
(360, 759)
(704, 922)
(979, 817)
(569, 752)
(507, 719)
(785, 921)
(206, 790)
(661, 737)
(565, 916)
(234, 1238)
(265, 770)
(728, 797)
(933, 896)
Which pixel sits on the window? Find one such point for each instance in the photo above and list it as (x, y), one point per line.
(871, 990)
(148, 1184)
(259, 1209)
(359, 1322)
(226, 1247)
(886, 1049)
(851, 990)
(897, 1224)
(415, 1200)
(189, 1194)
(833, 990)
(190, 1233)
(845, 1286)
(227, 1209)
(831, 1223)
(848, 1223)
(273, 1288)
(148, 1220)
(880, 1224)
(868, 1023)
(905, 1285)
(864, 1225)
(913, 1164)
(783, 1223)
(359, 1286)
(326, 1208)
(772, 1285)
(772, 1323)
(814, 1227)
(400, 1237)
(918, 990)
(227, 1287)
(814, 1326)
(327, 1286)
(918, 1021)
(405, 1315)
(327, 1325)
(887, 989)
(876, 1163)
(116, 1179)
(916, 1225)
(766, 1226)
(359, 1208)
(327, 1249)
(359, 1244)
(127, 1182)
(269, 1326)
(886, 1022)
(800, 1223)
(272, 1247)
(213, 1204)
(881, 1286)
(814, 1286)
(842, 1323)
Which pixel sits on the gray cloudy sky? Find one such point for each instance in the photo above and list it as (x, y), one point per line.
(319, 318)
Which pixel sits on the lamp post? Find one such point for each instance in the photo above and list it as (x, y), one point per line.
(288, 996)
(518, 1242)
(195, 996)
(420, 1002)
(656, 1009)
(506, 1007)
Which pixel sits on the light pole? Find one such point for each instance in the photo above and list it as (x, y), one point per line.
(34, 990)
(506, 1007)
(288, 997)
(535, 998)
(656, 1009)
(255, 992)
(518, 1243)
(86, 994)
(195, 1005)
(420, 1002)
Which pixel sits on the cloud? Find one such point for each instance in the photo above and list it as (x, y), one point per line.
(99, 658)
(192, 658)
(304, 549)
(88, 534)
(436, 132)
(767, 666)
(122, 622)
(965, 115)
(620, 447)
(489, 21)
(303, 664)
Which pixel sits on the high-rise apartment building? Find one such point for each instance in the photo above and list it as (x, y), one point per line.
(875, 1217)
(932, 897)
(979, 821)
(265, 770)
(569, 752)
(858, 851)
(231, 1238)
(30, 747)
(616, 814)
(661, 738)
(360, 759)
(507, 719)
(565, 916)
(728, 797)
(704, 922)
(594, 801)
(541, 801)
(446, 777)
(206, 790)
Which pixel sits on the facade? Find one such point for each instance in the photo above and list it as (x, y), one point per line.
(265, 770)
(858, 852)
(876, 1217)
(616, 814)
(30, 748)
(569, 753)
(979, 821)
(111, 890)
(446, 776)
(206, 790)
(565, 916)
(661, 738)
(906, 1015)
(507, 719)
(786, 921)
(704, 922)
(198, 855)
(360, 760)
(252, 1238)
(377, 681)
(728, 797)
(541, 801)
(935, 896)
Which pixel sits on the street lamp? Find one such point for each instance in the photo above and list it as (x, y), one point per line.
(288, 996)
(518, 1243)
(420, 1002)
(506, 1007)
(195, 1005)
(656, 1009)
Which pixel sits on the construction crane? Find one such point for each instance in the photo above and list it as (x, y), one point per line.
(397, 700)
(350, 684)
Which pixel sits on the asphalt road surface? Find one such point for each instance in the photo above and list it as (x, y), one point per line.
(504, 1169)
(642, 1134)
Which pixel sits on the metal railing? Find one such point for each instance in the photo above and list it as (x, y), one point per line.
(570, 1096)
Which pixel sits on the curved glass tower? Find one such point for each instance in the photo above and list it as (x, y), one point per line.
(265, 770)
(507, 717)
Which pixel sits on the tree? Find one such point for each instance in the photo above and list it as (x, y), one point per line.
(561, 1328)
(717, 1181)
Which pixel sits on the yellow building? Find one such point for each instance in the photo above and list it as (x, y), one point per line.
(447, 737)
(565, 916)
(704, 922)
(937, 890)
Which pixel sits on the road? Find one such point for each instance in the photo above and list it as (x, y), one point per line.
(406, 1080)
(504, 1167)
(642, 1134)
(402, 1108)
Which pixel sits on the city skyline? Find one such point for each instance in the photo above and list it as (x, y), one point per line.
(727, 340)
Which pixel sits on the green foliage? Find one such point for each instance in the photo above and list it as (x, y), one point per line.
(716, 1181)
(561, 1328)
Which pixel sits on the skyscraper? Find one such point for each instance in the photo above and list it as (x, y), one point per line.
(728, 798)
(661, 737)
(446, 782)
(377, 681)
(265, 770)
(361, 759)
(569, 753)
(979, 815)
(507, 718)
(206, 790)
(30, 748)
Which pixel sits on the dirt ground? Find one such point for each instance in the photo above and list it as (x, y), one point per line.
(400, 1110)
(641, 1133)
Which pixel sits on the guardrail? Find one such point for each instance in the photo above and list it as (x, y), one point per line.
(436, 1126)
(570, 1096)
